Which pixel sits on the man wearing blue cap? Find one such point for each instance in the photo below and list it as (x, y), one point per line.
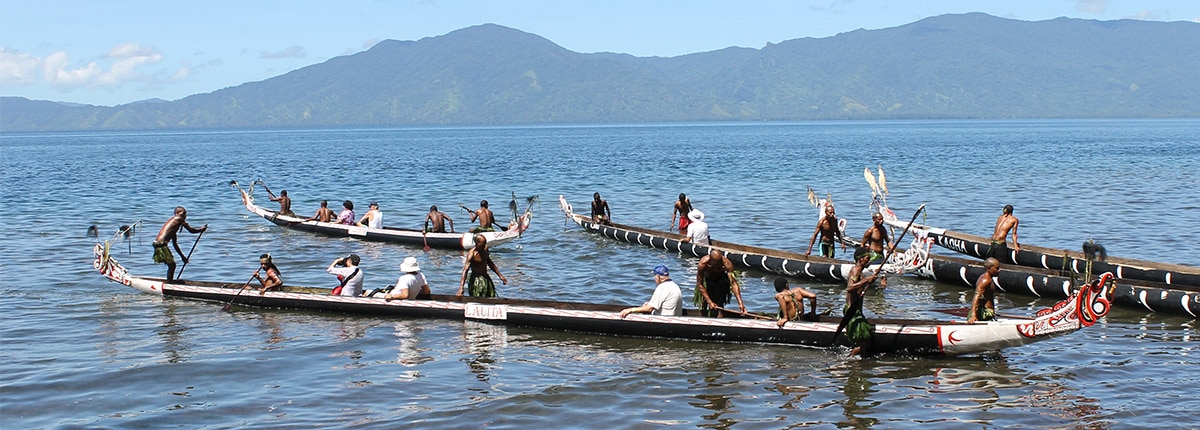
(667, 299)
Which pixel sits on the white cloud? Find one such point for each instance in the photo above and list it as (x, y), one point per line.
(1092, 6)
(18, 68)
(1147, 15)
(122, 64)
(289, 52)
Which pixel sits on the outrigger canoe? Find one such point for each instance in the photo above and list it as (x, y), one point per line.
(1055, 259)
(779, 262)
(413, 237)
(917, 260)
(1031, 281)
(890, 336)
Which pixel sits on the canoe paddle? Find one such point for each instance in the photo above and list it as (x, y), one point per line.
(247, 284)
(426, 240)
(747, 314)
(188, 259)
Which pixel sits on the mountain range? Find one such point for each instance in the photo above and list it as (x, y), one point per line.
(950, 66)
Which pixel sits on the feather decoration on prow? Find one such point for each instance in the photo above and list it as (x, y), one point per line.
(882, 181)
(812, 197)
(871, 181)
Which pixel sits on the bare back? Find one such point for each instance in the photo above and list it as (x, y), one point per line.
(1004, 224)
(478, 261)
(485, 217)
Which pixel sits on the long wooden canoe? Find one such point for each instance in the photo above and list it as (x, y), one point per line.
(747, 257)
(1055, 259)
(411, 237)
(1031, 281)
(890, 336)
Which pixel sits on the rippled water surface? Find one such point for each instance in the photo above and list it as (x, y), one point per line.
(78, 351)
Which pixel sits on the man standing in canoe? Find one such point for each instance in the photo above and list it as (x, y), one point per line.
(683, 206)
(715, 282)
(1004, 223)
(477, 263)
(858, 329)
(438, 220)
(983, 307)
(875, 239)
(827, 228)
(485, 216)
(170, 233)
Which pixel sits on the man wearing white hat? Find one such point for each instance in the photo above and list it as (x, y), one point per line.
(411, 284)
(697, 231)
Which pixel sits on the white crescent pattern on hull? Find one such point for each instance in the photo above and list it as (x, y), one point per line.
(962, 273)
(1142, 299)
(1187, 304)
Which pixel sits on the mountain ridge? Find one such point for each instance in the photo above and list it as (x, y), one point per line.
(970, 66)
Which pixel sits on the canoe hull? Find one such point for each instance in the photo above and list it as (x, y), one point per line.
(891, 336)
(461, 240)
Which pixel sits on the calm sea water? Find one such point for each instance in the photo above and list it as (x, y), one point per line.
(79, 352)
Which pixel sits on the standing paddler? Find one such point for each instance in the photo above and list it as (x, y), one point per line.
(170, 233)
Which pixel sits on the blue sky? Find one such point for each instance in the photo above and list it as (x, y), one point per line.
(119, 51)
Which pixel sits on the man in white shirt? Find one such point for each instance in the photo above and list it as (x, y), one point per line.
(348, 267)
(411, 284)
(667, 299)
(697, 231)
(373, 218)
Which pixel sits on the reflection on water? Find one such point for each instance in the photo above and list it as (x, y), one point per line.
(171, 331)
(858, 390)
(480, 341)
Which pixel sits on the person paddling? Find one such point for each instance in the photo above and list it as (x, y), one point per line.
(170, 233)
(270, 278)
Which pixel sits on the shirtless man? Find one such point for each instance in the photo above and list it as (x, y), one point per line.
(170, 233)
(324, 213)
(874, 240)
(827, 228)
(715, 282)
(477, 263)
(600, 212)
(285, 202)
(1005, 223)
(485, 216)
(438, 219)
(983, 307)
(270, 279)
(682, 207)
(858, 329)
(791, 302)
